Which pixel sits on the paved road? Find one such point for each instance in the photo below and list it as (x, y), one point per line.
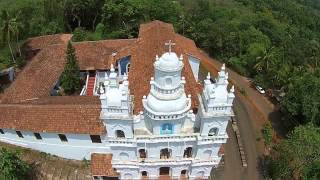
(233, 170)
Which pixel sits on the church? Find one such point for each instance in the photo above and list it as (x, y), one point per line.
(142, 113)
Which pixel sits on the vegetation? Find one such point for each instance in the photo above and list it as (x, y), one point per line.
(70, 80)
(299, 155)
(267, 133)
(277, 43)
(11, 165)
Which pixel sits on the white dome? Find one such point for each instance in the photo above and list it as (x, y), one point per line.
(169, 61)
(175, 105)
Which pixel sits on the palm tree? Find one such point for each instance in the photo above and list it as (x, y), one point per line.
(9, 29)
(265, 60)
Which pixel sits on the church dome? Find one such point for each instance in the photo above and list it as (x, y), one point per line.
(168, 106)
(169, 61)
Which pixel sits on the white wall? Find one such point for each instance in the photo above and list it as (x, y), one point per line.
(194, 63)
(113, 125)
(79, 146)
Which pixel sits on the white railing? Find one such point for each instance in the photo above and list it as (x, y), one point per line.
(95, 85)
(84, 89)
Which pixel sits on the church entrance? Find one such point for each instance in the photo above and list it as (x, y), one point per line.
(164, 171)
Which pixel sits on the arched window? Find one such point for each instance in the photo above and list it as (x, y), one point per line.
(165, 153)
(187, 152)
(184, 172)
(124, 156)
(168, 81)
(144, 173)
(127, 68)
(213, 131)
(142, 153)
(166, 129)
(120, 134)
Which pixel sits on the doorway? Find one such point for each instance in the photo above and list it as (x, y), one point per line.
(164, 171)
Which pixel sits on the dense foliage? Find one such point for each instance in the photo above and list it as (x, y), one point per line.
(11, 165)
(277, 43)
(70, 80)
(299, 155)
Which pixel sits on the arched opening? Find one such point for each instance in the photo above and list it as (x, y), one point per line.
(207, 154)
(142, 153)
(166, 129)
(127, 68)
(164, 171)
(165, 153)
(200, 174)
(120, 134)
(184, 174)
(213, 131)
(144, 173)
(128, 176)
(187, 152)
(124, 156)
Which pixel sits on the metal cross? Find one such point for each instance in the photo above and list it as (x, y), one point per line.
(170, 44)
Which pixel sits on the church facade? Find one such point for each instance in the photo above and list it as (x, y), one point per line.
(163, 125)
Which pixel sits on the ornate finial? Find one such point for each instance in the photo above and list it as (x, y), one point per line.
(223, 67)
(208, 76)
(157, 57)
(181, 57)
(232, 89)
(112, 68)
(170, 44)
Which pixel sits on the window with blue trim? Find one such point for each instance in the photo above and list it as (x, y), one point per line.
(166, 129)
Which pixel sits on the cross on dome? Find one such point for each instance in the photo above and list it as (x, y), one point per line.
(170, 44)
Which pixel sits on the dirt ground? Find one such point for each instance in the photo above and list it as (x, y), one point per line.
(45, 166)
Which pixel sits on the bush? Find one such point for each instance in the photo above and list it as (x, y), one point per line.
(267, 133)
(79, 34)
(11, 165)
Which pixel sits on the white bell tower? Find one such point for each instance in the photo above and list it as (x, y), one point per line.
(167, 104)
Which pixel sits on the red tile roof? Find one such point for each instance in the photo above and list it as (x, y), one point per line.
(29, 94)
(41, 42)
(101, 165)
(54, 114)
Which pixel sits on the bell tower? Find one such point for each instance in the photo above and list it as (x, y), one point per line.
(167, 104)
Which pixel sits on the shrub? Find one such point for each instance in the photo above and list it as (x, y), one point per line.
(11, 165)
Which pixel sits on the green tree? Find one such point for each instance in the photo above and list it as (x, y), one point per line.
(298, 155)
(9, 29)
(70, 80)
(79, 34)
(11, 165)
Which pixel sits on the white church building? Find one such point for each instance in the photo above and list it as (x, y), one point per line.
(142, 113)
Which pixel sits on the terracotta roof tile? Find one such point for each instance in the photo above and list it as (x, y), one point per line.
(41, 42)
(55, 117)
(94, 55)
(27, 102)
(101, 165)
